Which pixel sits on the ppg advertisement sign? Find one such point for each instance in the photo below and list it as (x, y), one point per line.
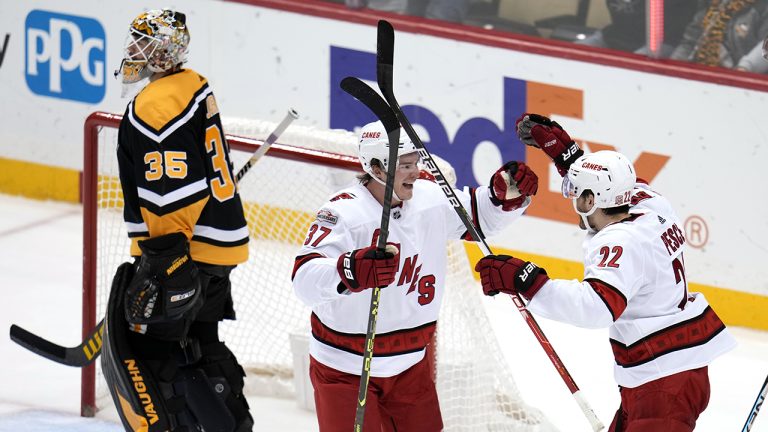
(65, 56)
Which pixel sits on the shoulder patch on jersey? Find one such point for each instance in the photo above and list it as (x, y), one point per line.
(211, 107)
(166, 100)
(327, 216)
(343, 196)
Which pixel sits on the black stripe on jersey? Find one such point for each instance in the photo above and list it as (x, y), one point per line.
(303, 259)
(138, 234)
(191, 106)
(176, 205)
(220, 243)
(475, 216)
(695, 332)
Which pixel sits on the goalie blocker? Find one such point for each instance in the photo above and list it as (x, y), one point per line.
(165, 369)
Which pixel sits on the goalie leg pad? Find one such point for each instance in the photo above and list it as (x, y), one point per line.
(134, 391)
(151, 392)
(226, 376)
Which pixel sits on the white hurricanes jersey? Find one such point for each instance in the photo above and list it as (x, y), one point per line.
(635, 282)
(408, 308)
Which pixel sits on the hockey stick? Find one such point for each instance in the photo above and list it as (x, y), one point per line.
(384, 71)
(287, 120)
(85, 353)
(756, 407)
(79, 356)
(379, 107)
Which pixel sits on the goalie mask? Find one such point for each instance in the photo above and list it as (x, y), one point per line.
(374, 144)
(608, 174)
(157, 41)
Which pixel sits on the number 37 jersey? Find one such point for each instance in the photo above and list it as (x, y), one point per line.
(635, 283)
(175, 170)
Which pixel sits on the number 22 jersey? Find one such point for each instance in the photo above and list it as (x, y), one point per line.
(635, 283)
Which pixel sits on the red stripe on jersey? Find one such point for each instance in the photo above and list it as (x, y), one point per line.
(687, 334)
(613, 298)
(343, 195)
(475, 216)
(303, 259)
(639, 197)
(385, 344)
(426, 175)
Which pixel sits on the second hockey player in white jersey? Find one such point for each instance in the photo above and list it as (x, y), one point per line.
(338, 264)
(662, 336)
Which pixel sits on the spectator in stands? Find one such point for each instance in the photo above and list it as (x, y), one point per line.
(726, 33)
(446, 10)
(626, 31)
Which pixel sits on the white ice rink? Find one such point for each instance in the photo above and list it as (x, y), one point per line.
(40, 282)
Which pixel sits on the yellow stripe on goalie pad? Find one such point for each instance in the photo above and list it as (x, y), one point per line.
(136, 421)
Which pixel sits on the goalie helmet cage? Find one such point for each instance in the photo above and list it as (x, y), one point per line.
(280, 197)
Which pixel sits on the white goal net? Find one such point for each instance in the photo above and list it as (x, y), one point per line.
(281, 194)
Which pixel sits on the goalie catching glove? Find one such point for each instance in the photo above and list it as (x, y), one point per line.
(511, 184)
(507, 274)
(166, 286)
(538, 131)
(366, 268)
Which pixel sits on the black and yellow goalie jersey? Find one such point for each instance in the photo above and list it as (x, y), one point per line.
(175, 170)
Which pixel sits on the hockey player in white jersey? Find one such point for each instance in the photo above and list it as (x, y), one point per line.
(662, 336)
(338, 264)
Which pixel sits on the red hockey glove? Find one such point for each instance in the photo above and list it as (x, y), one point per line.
(503, 273)
(367, 268)
(511, 183)
(540, 132)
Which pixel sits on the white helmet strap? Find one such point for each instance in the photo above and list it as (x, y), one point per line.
(585, 214)
(384, 183)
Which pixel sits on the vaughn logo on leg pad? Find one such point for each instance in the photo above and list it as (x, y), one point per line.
(141, 390)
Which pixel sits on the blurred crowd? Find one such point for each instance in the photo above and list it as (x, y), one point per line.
(723, 33)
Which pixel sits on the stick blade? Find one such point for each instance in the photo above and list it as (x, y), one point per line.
(385, 43)
(38, 345)
(368, 97)
(79, 356)
(385, 59)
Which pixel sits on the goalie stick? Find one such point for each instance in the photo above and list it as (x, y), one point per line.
(385, 70)
(756, 406)
(379, 107)
(79, 356)
(84, 354)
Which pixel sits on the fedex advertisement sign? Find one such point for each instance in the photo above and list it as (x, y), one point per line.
(65, 56)
(519, 96)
